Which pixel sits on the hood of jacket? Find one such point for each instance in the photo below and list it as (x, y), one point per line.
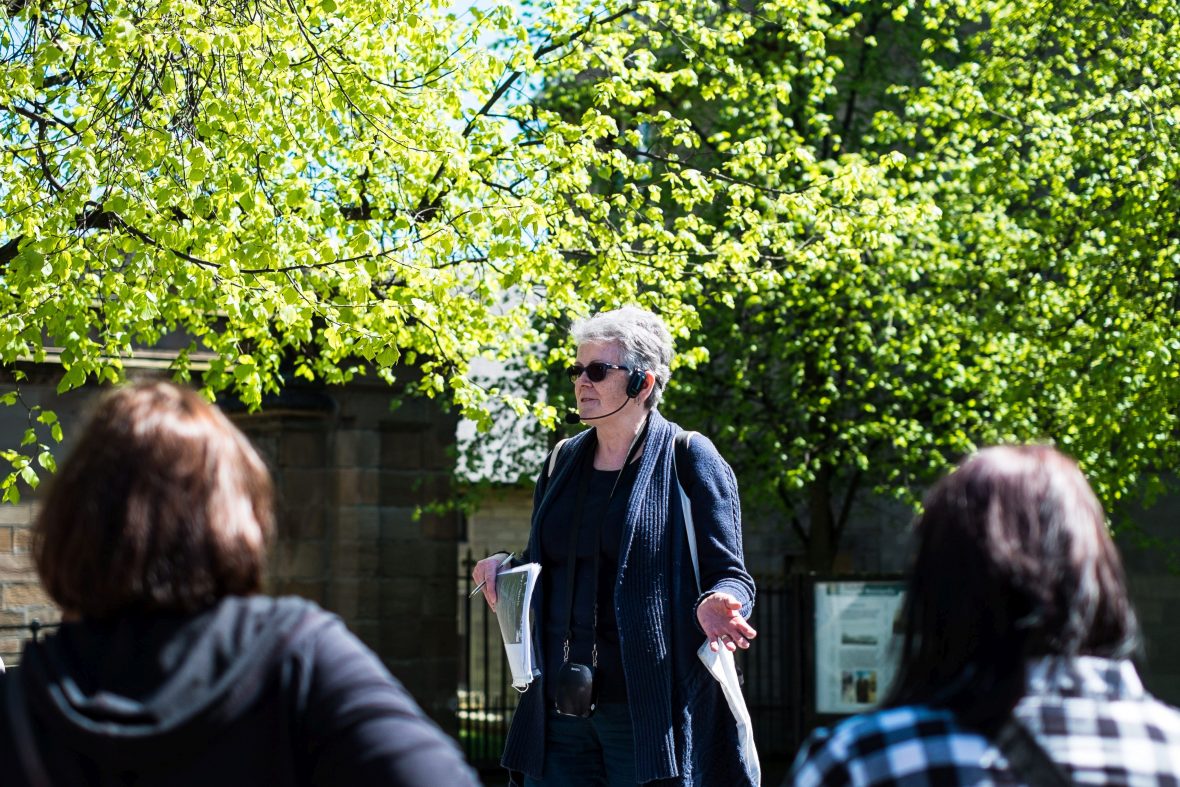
(144, 689)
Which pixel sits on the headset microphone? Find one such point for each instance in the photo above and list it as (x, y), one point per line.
(634, 386)
(572, 417)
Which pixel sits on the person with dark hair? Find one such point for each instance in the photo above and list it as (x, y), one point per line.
(169, 667)
(619, 597)
(1018, 632)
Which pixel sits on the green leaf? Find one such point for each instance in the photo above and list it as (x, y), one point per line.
(46, 460)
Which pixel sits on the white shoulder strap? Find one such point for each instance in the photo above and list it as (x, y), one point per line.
(686, 507)
(553, 456)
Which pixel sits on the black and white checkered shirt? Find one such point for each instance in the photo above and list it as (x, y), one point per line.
(1091, 715)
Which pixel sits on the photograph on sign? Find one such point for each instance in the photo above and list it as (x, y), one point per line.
(857, 639)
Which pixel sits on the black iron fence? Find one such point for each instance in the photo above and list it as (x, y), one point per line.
(772, 668)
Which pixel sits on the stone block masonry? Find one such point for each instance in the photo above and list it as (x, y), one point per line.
(22, 599)
(349, 484)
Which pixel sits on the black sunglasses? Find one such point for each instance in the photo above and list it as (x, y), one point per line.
(595, 370)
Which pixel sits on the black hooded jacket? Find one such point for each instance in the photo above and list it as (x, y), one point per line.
(255, 691)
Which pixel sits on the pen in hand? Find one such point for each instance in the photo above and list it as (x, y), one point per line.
(503, 563)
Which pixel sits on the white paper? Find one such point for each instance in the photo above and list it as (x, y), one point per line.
(514, 594)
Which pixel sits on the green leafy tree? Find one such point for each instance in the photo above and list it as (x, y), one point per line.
(884, 232)
(297, 189)
(704, 188)
(814, 344)
(913, 229)
(1041, 304)
(309, 189)
(1050, 149)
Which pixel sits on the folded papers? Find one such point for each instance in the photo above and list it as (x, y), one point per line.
(514, 595)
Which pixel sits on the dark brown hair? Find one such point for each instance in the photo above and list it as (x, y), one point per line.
(162, 505)
(1013, 561)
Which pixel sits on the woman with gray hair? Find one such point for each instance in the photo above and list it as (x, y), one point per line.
(622, 698)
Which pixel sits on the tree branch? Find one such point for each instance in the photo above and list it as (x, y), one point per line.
(428, 207)
(9, 250)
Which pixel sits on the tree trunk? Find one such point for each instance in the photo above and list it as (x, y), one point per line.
(821, 541)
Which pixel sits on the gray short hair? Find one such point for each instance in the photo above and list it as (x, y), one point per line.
(642, 336)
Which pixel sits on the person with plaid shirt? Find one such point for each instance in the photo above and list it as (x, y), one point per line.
(1016, 611)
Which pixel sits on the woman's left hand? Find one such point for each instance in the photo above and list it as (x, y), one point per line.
(721, 620)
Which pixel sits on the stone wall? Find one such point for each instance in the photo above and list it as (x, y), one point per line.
(21, 599)
(350, 480)
(500, 523)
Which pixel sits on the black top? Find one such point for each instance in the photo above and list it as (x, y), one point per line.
(555, 533)
(254, 691)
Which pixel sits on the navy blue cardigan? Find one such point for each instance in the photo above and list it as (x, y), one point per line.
(684, 732)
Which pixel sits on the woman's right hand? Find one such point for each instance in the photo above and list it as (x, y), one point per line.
(486, 571)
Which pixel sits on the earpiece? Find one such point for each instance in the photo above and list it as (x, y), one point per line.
(635, 382)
